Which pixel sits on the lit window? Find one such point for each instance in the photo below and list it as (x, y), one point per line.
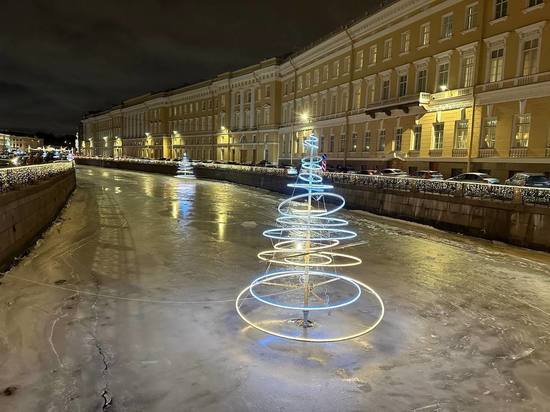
(347, 62)
(437, 142)
(522, 128)
(461, 134)
(366, 142)
(331, 144)
(316, 76)
(336, 68)
(359, 59)
(489, 133)
(373, 53)
(425, 34)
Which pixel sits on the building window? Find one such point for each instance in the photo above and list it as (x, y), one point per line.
(333, 102)
(402, 87)
(530, 57)
(468, 63)
(316, 77)
(496, 65)
(533, 3)
(437, 142)
(366, 141)
(385, 89)
(405, 41)
(347, 64)
(443, 76)
(398, 139)
(425, 34)
(336, 69)
(354, 142)
(447, 26)
(471, 17)
(422, 81)
(342, 142)
(331, 144)
(357, 98)
(371, 92)
(461, 134)
(387, 49)
(373, 54)
(359, 59)
(267, 91)
(417, 136)
(300, 83)
(308, 80)
(501, 8)
(381, 140)
(325, 72)
(522, 124)
(489, 133)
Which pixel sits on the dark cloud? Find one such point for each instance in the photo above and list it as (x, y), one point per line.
(62, 58)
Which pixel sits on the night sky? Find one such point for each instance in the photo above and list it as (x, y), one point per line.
(60, 59)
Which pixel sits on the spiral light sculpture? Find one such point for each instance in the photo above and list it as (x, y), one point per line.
(185, 168)
(304, 246)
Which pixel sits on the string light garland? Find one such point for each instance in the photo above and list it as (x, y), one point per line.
(309, 285)
(13, 177)
(185, 168)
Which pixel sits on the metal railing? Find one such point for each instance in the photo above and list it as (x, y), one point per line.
(13, 177)
(482, 191)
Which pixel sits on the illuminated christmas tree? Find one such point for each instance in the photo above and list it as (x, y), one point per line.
(301, 296)
(185, 168)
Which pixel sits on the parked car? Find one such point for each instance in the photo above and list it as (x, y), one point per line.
(393, 172)
(370, 172)
(529, 179)
(475, 177)
(427, 174)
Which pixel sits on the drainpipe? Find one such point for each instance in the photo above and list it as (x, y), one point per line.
(293, 109)
(350, 96)
(478, 76)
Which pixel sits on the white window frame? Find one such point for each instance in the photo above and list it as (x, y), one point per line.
(444, 34)
(388, 45)
(492, 44)
(527, 33)
(467, 16)
(423, 35)
(405, 42)
(359, 56)
(373, 54)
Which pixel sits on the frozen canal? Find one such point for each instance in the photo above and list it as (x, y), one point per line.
(127, 304)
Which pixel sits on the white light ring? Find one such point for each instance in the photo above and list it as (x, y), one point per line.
(354, 261)
(316, 340)
(313, 246)
(318, 220)
(288, 201)
(307, 186)
(338, 234)
(278, 275)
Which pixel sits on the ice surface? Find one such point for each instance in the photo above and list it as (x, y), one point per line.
(128, 305)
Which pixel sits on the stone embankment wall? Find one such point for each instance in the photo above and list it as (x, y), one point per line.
(156, 166)
(507, 221)
(26, 211)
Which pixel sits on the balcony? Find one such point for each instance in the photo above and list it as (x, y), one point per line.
(413, 153)
(460, 152)
(387, 105)
(513, 82)
(518, 152)
(436, 152)
(447, 100)
(490, 152)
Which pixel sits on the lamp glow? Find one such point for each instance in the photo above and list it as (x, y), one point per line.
(309, 284)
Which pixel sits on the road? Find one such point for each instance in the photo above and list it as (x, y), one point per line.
(127, 304)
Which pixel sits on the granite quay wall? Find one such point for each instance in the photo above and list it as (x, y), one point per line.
(518, 216)
(30, 199)
(139, 165)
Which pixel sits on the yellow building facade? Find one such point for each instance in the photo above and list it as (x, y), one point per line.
(448, 85)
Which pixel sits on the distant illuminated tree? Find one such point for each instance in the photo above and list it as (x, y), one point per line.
(185, 168)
